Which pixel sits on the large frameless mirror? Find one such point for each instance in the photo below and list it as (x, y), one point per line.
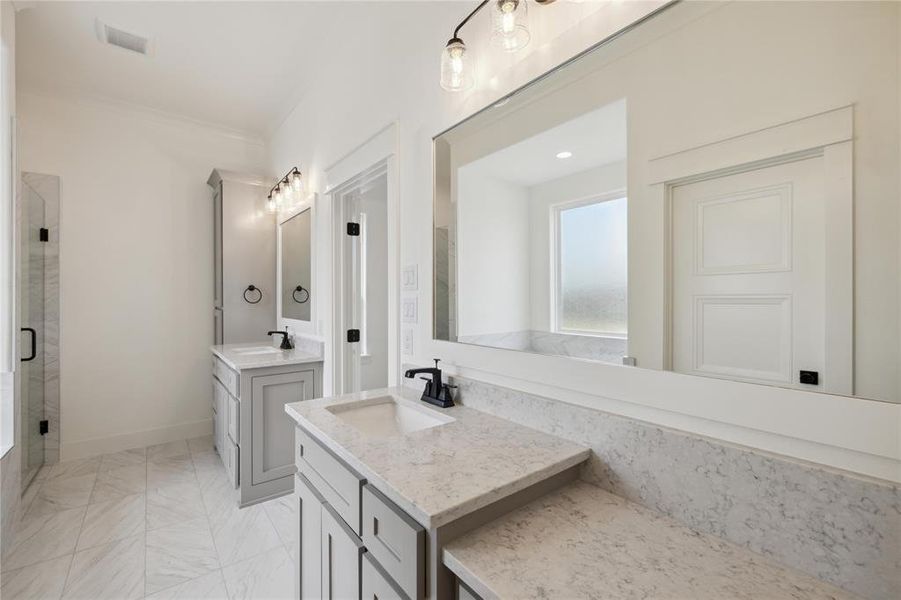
(714, 192)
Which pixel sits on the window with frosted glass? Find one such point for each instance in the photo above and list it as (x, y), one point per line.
(591, 268)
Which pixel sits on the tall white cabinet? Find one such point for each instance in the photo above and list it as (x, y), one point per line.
(244, 242)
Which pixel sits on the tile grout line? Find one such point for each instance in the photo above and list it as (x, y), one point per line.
(78, 537)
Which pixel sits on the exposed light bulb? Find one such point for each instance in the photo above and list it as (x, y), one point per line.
(271, 206)
(455, 72)
(278, 197)
(296, 182)
(509, 24)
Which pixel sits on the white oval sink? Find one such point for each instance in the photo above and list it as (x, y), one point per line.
(257, 350)
(385, 416)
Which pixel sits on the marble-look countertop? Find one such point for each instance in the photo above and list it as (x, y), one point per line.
(442, 473)
(583, 542)
(231, 355)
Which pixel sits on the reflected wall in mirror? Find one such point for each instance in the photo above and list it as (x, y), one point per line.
(730, 213)
(296, 267)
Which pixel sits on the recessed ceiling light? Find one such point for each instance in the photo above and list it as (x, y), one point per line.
(564, 154)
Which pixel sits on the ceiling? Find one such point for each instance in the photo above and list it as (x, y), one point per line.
(594, 139)
(238, 65)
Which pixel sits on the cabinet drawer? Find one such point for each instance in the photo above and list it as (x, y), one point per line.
(395, 540)
(228, 377)
(376, 584)
(339, 484)
(233, 416)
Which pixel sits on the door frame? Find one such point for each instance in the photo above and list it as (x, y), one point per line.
(379, 152)
(828, 135)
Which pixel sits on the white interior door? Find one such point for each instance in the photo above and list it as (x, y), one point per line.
(365, 279)
(749, 275)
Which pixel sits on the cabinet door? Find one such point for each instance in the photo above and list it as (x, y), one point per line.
(342, 552)
(272, 430)
(308, 545)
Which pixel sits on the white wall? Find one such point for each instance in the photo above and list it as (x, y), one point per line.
(493, 254)
(136, 266)
(10, 455)
(400, 78)
(578, 186)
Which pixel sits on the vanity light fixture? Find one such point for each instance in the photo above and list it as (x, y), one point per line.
(281, 193)
(509, 30)
(564, 154)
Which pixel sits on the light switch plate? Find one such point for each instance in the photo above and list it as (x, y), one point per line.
(407, 342)
(410, 278)
(408, 309)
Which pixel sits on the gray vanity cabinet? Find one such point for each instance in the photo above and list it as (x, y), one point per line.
(368, 547)
(252, 433)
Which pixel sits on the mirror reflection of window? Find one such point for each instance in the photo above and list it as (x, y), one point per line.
(590, 254)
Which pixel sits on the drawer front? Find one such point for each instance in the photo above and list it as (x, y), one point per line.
(228, 377)
(342, 552)
(395, 540)
(233, 417)
(376, 584)
(339, 484)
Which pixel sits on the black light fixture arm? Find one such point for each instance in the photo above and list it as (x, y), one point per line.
(468, 17)
(286, 180)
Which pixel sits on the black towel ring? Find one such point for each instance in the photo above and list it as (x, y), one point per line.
(253, 288)
(300, 288)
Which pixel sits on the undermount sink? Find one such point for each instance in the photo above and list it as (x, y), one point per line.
(385, 416)
(257, 350)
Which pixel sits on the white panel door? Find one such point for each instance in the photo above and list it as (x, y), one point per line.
(749, 275)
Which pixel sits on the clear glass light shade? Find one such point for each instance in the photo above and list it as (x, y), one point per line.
(509, 24)
(271, 206)
(456, 70)
(296, 183)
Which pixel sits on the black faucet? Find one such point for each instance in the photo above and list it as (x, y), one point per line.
(286, 341)
(435, 392)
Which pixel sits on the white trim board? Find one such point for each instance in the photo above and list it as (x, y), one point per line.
(135, 439)
(371, 153)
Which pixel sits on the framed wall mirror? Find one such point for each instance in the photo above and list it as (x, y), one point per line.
(715, 192)
(295, 245)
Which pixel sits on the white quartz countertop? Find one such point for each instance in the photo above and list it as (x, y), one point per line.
(232, 356)
(583, 542)
(442, 473)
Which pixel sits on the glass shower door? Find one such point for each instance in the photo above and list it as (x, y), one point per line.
(38, 318)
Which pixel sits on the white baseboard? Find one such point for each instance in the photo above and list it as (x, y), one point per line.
(135, 439)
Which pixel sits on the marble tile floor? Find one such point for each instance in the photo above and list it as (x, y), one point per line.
(157, 523)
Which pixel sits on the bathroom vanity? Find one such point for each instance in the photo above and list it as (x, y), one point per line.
(251, 385)
(383, 482)
(396, 499)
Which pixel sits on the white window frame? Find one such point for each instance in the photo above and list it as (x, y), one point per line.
(556, 292)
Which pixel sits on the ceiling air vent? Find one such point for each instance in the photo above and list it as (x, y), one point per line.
(123, 39)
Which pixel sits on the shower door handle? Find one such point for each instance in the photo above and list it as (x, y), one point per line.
(34, 344)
